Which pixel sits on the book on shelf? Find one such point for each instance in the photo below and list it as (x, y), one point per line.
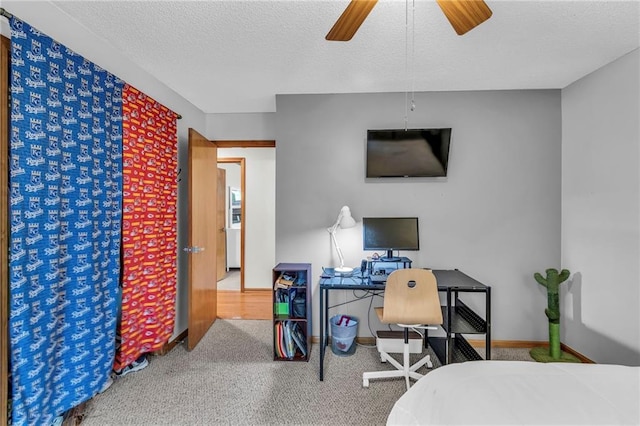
(298, 338)
(289, 347)
(278, 342)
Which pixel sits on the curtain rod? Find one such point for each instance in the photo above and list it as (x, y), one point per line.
(3, 12)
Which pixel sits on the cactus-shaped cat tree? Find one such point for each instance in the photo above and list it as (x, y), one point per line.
(553, 353)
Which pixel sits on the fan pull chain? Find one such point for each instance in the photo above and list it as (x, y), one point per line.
(406, 63)
(408, 106)
(413, 54)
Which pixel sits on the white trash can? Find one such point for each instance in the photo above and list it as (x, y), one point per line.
(344, 329)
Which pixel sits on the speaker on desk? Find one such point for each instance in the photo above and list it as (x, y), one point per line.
(364, 265)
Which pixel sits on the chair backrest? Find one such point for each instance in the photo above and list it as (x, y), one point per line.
(411, 297)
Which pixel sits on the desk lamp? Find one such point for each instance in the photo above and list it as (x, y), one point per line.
(345, 220)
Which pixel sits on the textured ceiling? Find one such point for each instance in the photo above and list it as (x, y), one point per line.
(235, 56)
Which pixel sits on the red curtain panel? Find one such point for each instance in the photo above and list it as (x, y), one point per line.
(148, 226)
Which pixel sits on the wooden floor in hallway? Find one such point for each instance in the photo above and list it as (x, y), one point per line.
(250, 304)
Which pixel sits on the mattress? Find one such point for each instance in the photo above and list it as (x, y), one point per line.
(522, 393)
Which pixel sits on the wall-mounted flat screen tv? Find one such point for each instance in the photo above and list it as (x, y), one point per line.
(408, 153)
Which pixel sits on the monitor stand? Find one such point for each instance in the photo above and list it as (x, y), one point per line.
(389, 257)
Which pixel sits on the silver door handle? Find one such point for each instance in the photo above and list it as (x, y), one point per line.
(193, 249)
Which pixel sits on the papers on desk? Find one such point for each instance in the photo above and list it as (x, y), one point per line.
(361, 276)
(355, 278)
(331, 272)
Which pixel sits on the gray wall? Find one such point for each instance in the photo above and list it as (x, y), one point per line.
(601, 212)
(256, 126)
(496, 216)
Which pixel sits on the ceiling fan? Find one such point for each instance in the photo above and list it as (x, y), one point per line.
(464, 15)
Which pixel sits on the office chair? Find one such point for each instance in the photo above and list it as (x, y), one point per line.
(410, 301)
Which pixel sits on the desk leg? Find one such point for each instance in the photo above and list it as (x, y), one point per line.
(323, 336)
(488, 320)
(449, 348)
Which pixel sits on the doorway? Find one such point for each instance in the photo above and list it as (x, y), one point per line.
(251, 298)
(234, 196)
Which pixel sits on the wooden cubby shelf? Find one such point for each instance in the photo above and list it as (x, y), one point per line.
(291, 312)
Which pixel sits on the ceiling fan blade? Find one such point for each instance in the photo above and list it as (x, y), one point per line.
(350, 20)
(465, 15)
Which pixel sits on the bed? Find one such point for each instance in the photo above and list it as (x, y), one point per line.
(522, 393)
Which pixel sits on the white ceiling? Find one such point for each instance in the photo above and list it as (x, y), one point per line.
(235, 56)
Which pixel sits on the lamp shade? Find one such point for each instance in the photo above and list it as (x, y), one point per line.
(347, 221)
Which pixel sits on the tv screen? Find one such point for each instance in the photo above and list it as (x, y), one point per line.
(408, 153)
(389, 234)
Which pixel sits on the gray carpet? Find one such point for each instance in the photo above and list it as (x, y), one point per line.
(231, 379)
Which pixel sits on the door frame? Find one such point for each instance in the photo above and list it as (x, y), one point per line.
(243, 209)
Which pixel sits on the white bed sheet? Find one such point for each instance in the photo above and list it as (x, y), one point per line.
(522, 393)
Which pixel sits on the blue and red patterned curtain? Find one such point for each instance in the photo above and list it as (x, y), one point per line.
(65, 213)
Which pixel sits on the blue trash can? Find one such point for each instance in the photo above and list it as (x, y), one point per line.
(344, 329)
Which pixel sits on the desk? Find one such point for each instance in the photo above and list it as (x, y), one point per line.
(458, 318)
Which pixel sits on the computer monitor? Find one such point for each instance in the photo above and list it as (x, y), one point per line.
(389, 234)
